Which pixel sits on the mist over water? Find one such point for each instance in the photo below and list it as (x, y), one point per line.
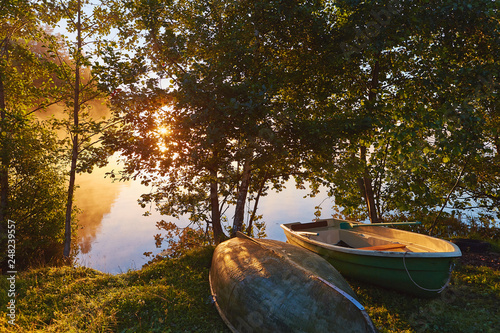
(94, 198)
(113, 234)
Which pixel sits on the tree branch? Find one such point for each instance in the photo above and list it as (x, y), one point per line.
(431, 230)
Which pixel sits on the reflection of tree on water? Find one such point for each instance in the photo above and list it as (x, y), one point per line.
(94, 199)
(96, 194)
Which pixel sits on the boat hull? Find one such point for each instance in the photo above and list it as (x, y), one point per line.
(424, 274)
(271, 286)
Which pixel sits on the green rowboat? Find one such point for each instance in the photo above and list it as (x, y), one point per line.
(396, 259)
(271, 286)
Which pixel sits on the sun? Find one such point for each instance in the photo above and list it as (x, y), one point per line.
(163, 130)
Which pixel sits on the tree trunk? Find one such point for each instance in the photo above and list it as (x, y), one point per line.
(214, 202)
(431, 230)
(497, 144)
(370, 200)
(75, 143)
(239, 212)
(69, 203)
(254, 211)
(365, 183)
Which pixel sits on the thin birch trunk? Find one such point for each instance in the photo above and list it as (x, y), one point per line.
(75, 143)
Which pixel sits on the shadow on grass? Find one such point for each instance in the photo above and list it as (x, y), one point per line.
(173, 296)
(469, 304)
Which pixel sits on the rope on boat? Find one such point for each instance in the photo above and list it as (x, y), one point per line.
(427, 289)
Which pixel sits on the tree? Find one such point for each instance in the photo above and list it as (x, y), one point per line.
(247, 105)
(37, 197)
(19, 27)
(82, 127)
(26, 87)
(36, 72)
(435, 103)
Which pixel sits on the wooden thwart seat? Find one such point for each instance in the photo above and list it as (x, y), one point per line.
(304, 226)
(384, 247)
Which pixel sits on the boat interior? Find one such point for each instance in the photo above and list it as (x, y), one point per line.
(369, 238)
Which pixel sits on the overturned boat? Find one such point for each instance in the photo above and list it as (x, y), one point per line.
(270, 286)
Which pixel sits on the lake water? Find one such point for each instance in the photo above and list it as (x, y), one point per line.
(113, 234)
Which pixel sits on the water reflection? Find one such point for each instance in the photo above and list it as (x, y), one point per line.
(114, 234)
(94, 198)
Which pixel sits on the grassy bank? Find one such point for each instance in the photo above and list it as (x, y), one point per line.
(173, 296)
(168, 296)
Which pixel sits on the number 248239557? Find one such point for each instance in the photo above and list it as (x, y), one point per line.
(11, 244)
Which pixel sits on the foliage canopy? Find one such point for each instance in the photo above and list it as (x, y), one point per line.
(234, 100)
(222, 101)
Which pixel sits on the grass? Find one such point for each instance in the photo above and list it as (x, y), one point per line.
(167, 296)
(469, 304)
(173, 296)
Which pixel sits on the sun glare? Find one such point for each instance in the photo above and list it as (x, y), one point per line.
(163, 130)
